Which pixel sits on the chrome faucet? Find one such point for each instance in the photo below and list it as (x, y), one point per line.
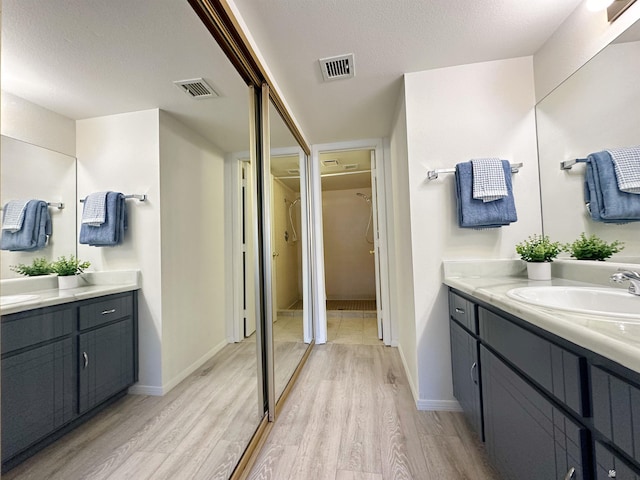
(633, 277)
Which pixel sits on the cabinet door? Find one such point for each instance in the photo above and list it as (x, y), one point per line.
(526, 436)
(105, 362)
(37, 394)
(466, 375)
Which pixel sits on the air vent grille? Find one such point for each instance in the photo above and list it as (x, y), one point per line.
(293, 171)
(196, 88)
(351, 166)
(334, 68)
(330, 163)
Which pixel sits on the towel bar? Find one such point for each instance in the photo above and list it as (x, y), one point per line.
(142, 197)
(567, 164)
(433, 174)
(58, 205)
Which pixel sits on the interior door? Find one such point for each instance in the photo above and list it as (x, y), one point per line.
(376, 241)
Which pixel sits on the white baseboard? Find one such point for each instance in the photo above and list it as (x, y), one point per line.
(412, 386)
(439, 405)
(167, 387)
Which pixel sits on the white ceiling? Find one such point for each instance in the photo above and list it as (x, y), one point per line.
(87, 58)
(388, 38)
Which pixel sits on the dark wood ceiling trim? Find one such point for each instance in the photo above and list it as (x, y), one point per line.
(221, 22)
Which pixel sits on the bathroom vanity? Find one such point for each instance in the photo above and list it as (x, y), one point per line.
(65, 356)
(554, 395)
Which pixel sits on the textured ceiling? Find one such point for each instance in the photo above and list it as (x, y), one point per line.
(87, 58)
(388, 38)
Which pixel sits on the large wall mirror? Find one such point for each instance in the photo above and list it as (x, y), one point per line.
(33, 172)
(110, 67)
(597, 108)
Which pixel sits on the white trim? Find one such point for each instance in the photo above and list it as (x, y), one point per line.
(167, 387)
(439, 405)
(320, 311)
(412, 387)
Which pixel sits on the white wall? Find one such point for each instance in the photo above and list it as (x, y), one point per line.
(348, 266)
(34, 124)
(194, 289)
(121, 153)
(455, 114)
(578, 39)
(597, 108)
(401, 278)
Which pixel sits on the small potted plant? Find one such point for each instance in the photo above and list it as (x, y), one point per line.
(39, 266)
(68, 270)
(592, 248)
(538, 251)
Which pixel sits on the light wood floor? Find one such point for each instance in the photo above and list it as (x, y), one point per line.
(351, 416)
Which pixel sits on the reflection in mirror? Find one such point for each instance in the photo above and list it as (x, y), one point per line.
(289, 285)
(597, 108)
(33, 172)
(109, 67)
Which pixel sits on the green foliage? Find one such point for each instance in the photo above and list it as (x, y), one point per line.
(71, 266)
(538, 249)
(39, 266)
(592, 248)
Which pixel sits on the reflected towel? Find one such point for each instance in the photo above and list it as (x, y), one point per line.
(626, 163)
(94, 210)
(111, 232)
(477, 214)
(35, 231)
(13, 215)
(488, 179)
(606, 202)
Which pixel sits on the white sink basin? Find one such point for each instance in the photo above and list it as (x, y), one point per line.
(11, 299)
(607, 302)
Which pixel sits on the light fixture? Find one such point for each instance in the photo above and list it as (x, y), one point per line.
(597, 5)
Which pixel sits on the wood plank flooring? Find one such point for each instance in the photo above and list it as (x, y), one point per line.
(351, 416)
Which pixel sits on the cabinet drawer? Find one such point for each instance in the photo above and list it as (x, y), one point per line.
(609, 465)
(616, 411)
(25, 329)
(112, 308)
(555, 369)
(463, 311)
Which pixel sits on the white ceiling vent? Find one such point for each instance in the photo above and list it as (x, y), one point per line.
(331, 162)
(351, 166)
(196, 88)
(334, 68)
(293, 171)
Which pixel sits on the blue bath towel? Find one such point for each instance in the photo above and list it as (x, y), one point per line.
(474, 213)
(606, 202)
(36, 228)
(111, 232)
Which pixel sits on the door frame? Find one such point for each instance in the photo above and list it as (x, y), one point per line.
(317, 244)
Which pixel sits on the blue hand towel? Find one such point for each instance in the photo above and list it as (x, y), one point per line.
(36, 228)
(95, 209)
(606, 202)
(473, 213)
(111, 232)
(13, 216)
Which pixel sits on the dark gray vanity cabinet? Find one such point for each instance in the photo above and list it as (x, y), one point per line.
(550, 409)
(465, 364)
(59, 365)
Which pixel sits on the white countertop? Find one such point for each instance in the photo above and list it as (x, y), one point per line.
(616, 339)
(96, 284)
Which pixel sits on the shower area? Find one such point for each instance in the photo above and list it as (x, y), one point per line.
(348, 232)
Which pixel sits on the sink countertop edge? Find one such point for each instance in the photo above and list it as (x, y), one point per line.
(604, 338)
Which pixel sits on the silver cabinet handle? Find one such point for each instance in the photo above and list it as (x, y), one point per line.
(107, 312)
(612, 473)
(86, 359)
(473, 367)
(459, 310)
(570, 474)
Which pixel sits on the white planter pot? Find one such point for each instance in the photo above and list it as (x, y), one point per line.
(69, 281)
(539, 270)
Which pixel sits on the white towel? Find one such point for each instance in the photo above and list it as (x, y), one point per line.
(13, 217)
(94, 212)
(626, 163)
(489, 183)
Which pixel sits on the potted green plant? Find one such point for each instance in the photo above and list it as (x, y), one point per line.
(592, 248)
(538, 251)
(69, 270)
(39, 266)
